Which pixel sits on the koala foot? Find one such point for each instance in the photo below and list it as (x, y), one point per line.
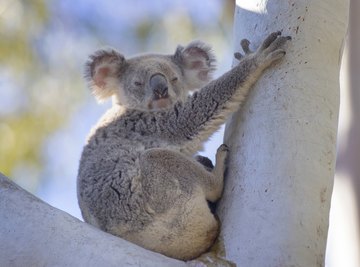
(221, 154)
(218, 170)
(220, 165)
(271, 49)
(206, 162)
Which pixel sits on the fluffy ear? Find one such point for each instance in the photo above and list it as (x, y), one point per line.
(197, 62)
(102, 72)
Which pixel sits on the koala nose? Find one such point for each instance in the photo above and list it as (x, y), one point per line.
(158, 84)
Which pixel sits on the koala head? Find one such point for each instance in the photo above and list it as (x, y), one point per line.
(150, 81)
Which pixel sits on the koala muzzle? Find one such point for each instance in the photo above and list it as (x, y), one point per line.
(158, 84)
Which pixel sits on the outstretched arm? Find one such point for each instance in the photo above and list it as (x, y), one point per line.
(208, 108)
(188, 123)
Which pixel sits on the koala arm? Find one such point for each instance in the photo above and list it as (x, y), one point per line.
(204, 112)
(208, 108)
(189, 123)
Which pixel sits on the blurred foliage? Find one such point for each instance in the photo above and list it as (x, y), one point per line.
(20, 22)
(22, 132)
(21, 138)
(43, 45)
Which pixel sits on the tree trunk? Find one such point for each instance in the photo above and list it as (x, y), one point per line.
(32, 233)
(276, 201)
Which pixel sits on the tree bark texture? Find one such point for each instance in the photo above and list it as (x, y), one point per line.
(276, 201)
(33, 233)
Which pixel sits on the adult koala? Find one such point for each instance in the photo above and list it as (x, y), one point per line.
(137, 177)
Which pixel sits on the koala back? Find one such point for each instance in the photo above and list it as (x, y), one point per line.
(137, 178)
(113, 192)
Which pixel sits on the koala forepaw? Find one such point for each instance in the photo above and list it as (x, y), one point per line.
(271, 49)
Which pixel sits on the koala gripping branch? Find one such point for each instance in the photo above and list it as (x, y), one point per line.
(208, 108)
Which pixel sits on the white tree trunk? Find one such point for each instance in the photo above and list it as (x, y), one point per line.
(32, 233)
(276, 201)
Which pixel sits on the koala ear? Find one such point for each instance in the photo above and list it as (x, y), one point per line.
(198, 63)
(102, 72)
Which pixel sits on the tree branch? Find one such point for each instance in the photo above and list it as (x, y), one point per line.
(276, 201)
(33, 233)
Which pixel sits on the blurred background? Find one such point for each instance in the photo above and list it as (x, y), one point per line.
(46, 110)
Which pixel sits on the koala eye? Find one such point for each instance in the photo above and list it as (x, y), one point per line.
(138, 83)
(174, 79)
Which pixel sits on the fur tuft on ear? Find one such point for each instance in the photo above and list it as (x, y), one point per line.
(197, 62)
(102, 72)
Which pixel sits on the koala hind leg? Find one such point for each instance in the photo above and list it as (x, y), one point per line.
(176, 190)
(220, 165)
(219, 168)
(186, 171)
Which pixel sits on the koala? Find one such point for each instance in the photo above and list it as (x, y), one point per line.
(137, 177)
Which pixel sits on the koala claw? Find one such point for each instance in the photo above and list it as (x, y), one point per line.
(223, 148)
(245, 46)
(222, 152)
(238, 56)
(273, 43)
(271, 49)
(270, 39)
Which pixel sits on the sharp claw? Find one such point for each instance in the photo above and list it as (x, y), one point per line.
(245, 42)
(245, 45)
(271, 43)
(238, 55)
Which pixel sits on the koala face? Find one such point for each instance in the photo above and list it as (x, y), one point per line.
(150, 81)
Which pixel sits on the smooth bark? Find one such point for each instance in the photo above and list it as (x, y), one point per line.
(276, 202)
(33, 233)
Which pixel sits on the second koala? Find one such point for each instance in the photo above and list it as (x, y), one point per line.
(137, 177)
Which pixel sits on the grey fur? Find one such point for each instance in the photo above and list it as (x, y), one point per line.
(137, 177)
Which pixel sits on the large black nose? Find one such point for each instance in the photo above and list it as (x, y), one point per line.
(158, 84)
